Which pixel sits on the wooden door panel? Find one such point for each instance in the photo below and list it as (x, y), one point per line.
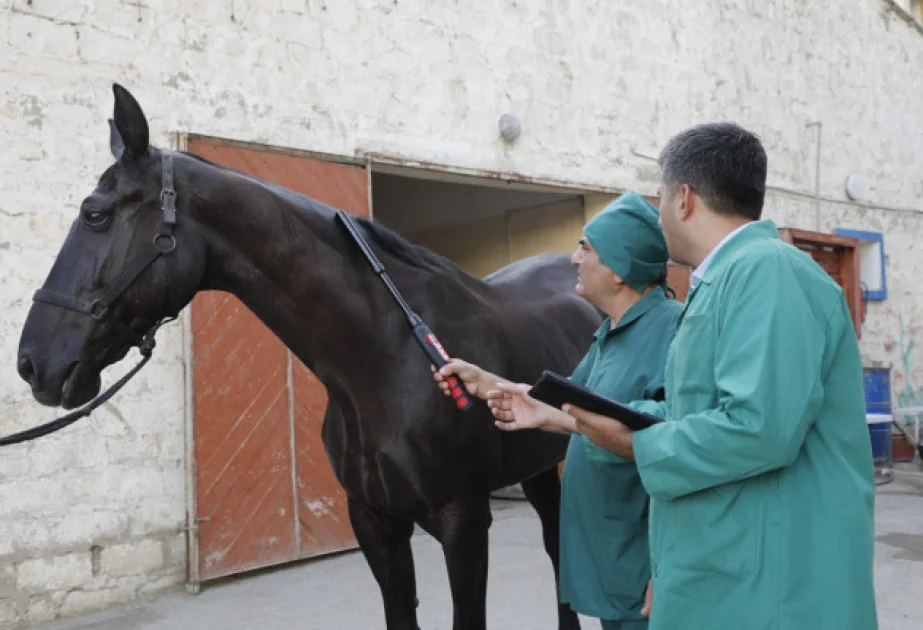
(242, 444)
(257, 528)
(265, 491)
(322, 508)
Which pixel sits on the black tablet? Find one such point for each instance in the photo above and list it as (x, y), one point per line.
(556, 390)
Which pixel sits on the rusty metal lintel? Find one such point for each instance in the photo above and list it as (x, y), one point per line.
(372, 159)
(512, 179)
(274, 148)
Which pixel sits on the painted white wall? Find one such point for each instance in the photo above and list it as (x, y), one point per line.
(594, 84)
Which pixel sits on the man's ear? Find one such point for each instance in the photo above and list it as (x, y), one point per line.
(688, 202)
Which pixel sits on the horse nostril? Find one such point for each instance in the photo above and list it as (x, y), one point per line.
(26, 369)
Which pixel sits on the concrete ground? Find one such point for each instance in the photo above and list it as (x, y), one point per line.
(339, 592)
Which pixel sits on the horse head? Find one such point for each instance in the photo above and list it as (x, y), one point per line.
(125, 266)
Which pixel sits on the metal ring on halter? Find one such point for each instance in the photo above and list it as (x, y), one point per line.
(172, 243)
(98, 310)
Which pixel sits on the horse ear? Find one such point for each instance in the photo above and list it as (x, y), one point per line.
(115, 141)
(130, 122)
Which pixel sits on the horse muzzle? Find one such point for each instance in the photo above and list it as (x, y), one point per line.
(76, 383)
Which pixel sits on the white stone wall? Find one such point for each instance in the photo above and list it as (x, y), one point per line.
(92, 515)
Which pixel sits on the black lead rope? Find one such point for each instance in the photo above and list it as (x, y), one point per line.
(163, 246)
(146, 347)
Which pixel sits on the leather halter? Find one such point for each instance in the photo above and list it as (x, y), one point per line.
(164, 245)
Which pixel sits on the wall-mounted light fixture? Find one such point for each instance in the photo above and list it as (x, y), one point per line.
(855, 187)
(510, 128)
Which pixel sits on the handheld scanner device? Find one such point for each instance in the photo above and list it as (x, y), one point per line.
(425, 337)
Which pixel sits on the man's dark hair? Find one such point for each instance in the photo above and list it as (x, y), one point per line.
(723, 162)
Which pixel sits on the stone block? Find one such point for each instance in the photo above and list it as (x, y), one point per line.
(49, 461)
(32, 36)
(121, 18)
(132, 558)
(41, 610)
(7, 580)
(26, 536)
(80, 602)
(83, 526)
(156, 515)
(56, 573)
(26, 496)
(294, 6)
(9, 614)
(58, 11)
(154, 588)
(175, 552)
(100, 45)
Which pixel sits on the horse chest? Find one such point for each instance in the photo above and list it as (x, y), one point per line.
(399, 470)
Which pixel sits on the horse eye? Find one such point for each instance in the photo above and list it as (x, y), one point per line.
(96, 220)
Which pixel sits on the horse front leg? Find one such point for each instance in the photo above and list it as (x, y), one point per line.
(543, 491)
(385, 543)
(461, 527)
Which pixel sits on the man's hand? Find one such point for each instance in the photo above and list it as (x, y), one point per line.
(648, 599)
(477, 381)
(607, 433)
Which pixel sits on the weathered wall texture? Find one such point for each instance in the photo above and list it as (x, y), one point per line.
(92, 515)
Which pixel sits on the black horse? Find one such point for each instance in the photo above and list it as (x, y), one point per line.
(399, 447)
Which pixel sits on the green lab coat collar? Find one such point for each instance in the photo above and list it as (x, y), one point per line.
(639, 308)
(753, 231)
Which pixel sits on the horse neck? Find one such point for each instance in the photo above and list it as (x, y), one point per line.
(288, 260)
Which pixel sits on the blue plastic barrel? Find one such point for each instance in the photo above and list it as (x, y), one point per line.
(877, 382)
(877, 390)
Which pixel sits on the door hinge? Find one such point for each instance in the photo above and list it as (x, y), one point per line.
(195, 525)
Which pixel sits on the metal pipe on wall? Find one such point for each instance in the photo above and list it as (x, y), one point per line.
(819, 126)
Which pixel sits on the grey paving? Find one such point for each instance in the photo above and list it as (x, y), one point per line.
(339, 592)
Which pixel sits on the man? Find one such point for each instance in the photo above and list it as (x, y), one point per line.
(605, 560)
(761, 480)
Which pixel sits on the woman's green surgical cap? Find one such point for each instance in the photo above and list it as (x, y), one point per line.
(628, 239)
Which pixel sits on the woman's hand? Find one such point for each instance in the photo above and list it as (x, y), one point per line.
(516, 410)
(476, 380)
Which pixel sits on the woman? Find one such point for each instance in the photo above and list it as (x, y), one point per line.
(621, 268)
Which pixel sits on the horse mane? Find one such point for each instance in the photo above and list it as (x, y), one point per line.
(391, 242)
(401, 248)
